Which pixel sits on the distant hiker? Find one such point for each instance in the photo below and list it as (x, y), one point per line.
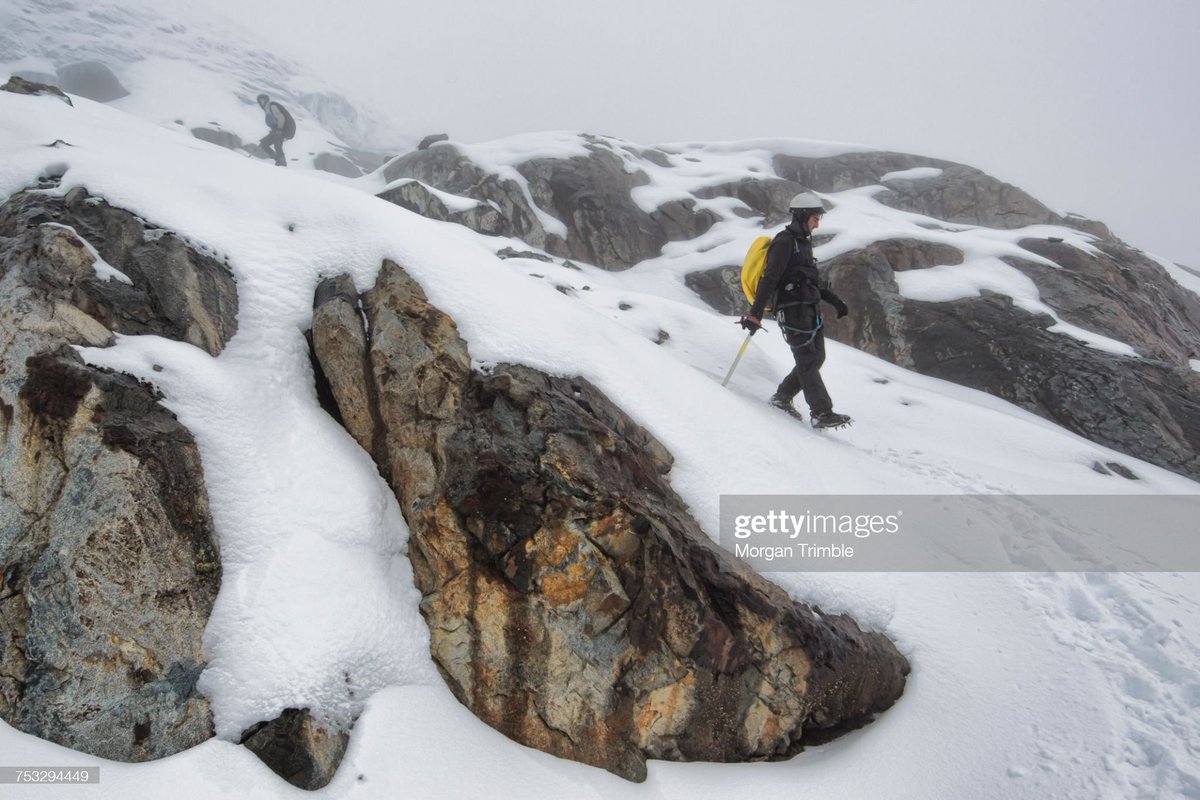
(282, 127)
(791, 285)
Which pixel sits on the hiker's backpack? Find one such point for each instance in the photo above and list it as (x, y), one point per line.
(754, 266)
(289, 124)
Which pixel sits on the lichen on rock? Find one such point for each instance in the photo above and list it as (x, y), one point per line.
(573, 602)
(109, 559)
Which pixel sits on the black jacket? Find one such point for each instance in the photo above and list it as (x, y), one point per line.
(792, 272)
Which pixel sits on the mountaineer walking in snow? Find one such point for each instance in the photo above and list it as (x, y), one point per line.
(282, 127)
(792, 286)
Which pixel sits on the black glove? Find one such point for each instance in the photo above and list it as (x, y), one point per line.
(842, 309)
(752, 324)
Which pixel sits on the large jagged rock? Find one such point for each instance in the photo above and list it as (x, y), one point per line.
(766, 197)
(962, 194)
(959, 194)
(721, 288)
(590, 195)
(109, 561)
(418, 198)
(444, 167)
(175, 291)
(573, 602)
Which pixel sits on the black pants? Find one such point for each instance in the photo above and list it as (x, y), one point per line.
(808, 350)
(273, 144)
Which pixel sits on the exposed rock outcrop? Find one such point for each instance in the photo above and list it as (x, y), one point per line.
(298, 748)
(1148, 407)
(443, 167)
(337, 164)
(1139, 406)
(590, 195)
(222, 138)
(19, 85)
(109, 561)
(573, 602)
(431, 140)
(418, 198)
(174, 291)
(962, 194)
(721, 288)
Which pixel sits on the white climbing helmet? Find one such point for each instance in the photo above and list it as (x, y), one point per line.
(807, 201)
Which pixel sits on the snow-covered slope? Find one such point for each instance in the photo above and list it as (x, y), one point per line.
(184, 67)
(1024, 684)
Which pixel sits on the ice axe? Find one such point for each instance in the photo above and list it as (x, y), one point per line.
(741, 353)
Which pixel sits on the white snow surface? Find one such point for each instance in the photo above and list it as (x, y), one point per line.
(1024, 685)
(453, 202)
(914, 174)
(181, 62)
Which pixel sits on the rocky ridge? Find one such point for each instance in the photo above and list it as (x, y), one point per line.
(1145, 406)
(575, 604)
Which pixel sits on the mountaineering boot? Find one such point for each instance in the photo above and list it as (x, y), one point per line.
(784, 404)
(830, 419)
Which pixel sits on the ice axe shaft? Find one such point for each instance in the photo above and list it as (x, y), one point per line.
(741, 353)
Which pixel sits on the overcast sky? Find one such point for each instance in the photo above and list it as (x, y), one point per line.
(1090, 106)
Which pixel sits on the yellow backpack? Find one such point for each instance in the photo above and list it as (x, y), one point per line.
(753, 267)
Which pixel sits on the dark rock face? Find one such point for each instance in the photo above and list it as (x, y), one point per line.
(176, 292)
(1148, 407)
(1142, 406)
(592, 197)
(416, 197)
(767, 198)
(961, 194)
(848, 171)
(573, 603)
(444, 167)
(226, 139)
(965, 195)
(721, 288)
(1121, 293)
(298, 749)
(107, 551)
(18, 85)
(337, 164)
(589, 195)
(432, 139)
